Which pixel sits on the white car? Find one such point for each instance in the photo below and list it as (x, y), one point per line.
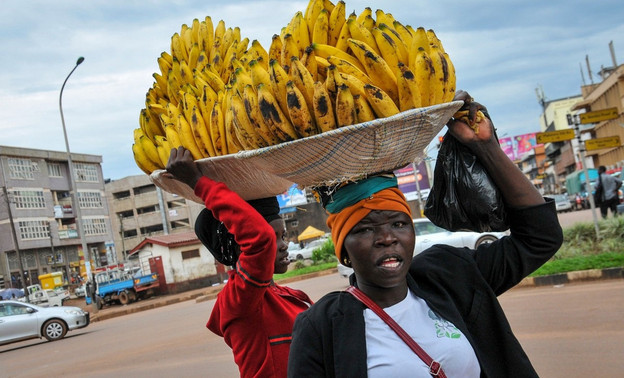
(562, 202)
(295, 252)
(428, 234)
(22, 321)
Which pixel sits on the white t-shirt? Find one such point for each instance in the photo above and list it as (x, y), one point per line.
(389, 356)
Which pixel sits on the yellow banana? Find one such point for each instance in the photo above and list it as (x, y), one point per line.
(311, 14)
(213, 80)
(148, 147)
(383, 18)
(177, 47)
(331, 84)
(323, 109)
(346, 67)
(337, 18)
(400, 47)
(164, 63)
(275, 49)
(289, 49)
(217, 129)
(423, 73)
(310, 63)
(439, 81)
(231, 140)
(250, 101)
(344, 35)
(361, 18)
(388, 48)
(404, 33)
(303, 80)
(360, 33)
(320, 33)
(201, 132)
(449, 93)
(187, 137)
(279, 78)
(419, 40)
(345, 107)
(259, 75)
(207, 30)
(363, 110)
(164, 149)
(409, 94)
(299, 112)
(193, 55)
(298, 28)
(355, 85)
(243, 127)
(321, 67)
(142, 161)
(434, 40)
(377, 69)
(258, 53)
(273, 116)
(325, 51)
(382, 104)
(172, 135)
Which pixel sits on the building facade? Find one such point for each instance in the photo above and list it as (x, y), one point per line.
(38, 220)
(140, 209)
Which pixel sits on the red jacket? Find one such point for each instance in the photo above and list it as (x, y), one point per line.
(253, 315)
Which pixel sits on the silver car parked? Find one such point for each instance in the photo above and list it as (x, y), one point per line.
(22, 321)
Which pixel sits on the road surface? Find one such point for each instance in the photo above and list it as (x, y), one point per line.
(568, 331)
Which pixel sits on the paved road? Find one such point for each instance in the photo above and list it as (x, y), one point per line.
(569, 331)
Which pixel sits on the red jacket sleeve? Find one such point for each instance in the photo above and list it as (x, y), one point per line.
(256, 238)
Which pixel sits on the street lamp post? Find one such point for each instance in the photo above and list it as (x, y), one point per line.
(75, 201)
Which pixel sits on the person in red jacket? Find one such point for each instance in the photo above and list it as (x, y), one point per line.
(254, 315)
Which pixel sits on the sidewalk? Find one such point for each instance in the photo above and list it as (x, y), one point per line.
(209, 293)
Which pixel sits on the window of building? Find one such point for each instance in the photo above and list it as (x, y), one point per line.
(130, 233)
(21, 168)
(55, 170)
(121, 195)
(145, 189)
(94, 226)
(190, 254)
(28, 199)
(86, 172)
(89, 200)
(34, 229)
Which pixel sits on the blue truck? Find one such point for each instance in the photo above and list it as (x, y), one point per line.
(124, 286)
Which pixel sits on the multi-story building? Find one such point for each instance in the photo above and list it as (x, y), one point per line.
(140, 209)
(38, 221)
(607, 94)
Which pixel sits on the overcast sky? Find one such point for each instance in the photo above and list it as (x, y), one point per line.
(502, 51)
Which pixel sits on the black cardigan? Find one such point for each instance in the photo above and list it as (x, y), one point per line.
(459, 284)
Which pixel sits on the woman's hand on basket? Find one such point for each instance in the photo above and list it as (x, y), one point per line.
(182, 167)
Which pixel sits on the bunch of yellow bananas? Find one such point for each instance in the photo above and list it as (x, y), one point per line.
(216, 96)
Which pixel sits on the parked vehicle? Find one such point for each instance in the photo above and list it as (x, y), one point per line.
(118, 285)
(81, 291)
(428, 234)
(562, 202)
(46, 297)
(575, 182)
(295, 252)
(22, 321)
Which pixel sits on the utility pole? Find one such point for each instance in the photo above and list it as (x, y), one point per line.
(14, 235)
(574, 120)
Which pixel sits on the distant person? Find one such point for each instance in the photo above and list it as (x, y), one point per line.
(609, 186)
(254, 315)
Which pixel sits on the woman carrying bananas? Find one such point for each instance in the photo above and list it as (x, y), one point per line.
(252, 314)
(435, 314)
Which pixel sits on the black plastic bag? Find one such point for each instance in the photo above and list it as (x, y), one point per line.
(463, 196)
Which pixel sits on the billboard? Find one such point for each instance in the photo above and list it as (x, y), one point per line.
(407, 180)
(517, 147)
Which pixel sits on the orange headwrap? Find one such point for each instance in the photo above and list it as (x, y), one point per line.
(342, 222)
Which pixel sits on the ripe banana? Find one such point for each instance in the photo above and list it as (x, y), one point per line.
(361, 34)
(275, 49)
(310, 63)
(273, 116)
(217, 129)
(449, 90)
(245, 131)
(409, 94)
(382, 104)
(337, 18)
(300, 116)
(323, 109)
(345, 107)
(289, 49)
(377, 69)
(303, 80)
(424, 73)
(142, 161)
(363, 110)
(279, 78)
(346, 67)
(325, 51)
(320, 33)
(250, 100)
(439, 81)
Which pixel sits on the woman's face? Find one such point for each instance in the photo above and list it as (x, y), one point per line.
(380, 247)
(281, 257)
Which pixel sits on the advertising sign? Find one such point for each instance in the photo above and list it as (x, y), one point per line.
(292, 197)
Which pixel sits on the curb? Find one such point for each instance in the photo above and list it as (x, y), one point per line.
(212, 292)
(576, 276)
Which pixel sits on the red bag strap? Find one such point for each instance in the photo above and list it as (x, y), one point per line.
(435, 369)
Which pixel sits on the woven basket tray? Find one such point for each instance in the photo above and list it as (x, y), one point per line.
(344, 154)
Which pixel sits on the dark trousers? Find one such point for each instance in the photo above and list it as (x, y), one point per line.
(609, 204)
